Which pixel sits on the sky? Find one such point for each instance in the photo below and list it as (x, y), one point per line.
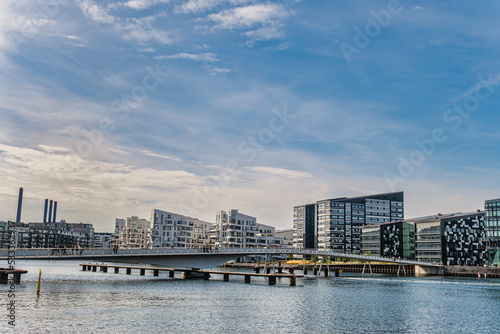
(114, 108)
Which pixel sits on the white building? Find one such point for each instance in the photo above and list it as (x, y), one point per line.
(103, 240)
(173, 230)
(132, 232)
(236, 230)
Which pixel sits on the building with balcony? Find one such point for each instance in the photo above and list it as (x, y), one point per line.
(103, 240)
(492, 229)
(132, 232)
(48, 235)
(173, 230)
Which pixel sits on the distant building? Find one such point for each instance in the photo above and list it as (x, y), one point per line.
(337, 221)
(173, 230)
(287, 236)
(132, 232)
(492, 227)
(233, 229)
(49, 235)
(103, 240)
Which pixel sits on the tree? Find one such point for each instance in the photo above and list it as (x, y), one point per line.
(314, 258)
(290, 257)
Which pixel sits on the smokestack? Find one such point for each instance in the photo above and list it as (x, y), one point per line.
(19, 205)
(55, 211)
(50, 210)
(45, 211)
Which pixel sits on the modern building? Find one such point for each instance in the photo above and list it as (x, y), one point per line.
(287, 236)
(393, 239)
(173, 230)
(233, 229)
(48, 235)
(452, 239)
(337, 222)
(304, 226)
(132, 232)
(492, 229)
(103, 240)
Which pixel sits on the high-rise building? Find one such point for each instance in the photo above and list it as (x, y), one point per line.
(173, 230)
(492, 229)
(304, 226)
(337, 221)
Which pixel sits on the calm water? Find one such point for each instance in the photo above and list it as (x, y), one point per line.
(73, 301)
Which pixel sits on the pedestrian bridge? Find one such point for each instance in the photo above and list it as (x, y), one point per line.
(190, 258)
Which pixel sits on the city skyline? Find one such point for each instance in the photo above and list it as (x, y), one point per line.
(195, 106)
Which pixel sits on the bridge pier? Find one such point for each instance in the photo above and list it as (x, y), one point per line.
(105, 269)
(280, 270)
(171, 274)
(225, 278)
(206, 276)
(315, 271)
(156, 272)
(117, 270)
(247, 278)
(327, 273)
(143, 272)
(292, 281)
(272, 280)
(94, 268)
(304, 269)
(431, 271)
(129, 271)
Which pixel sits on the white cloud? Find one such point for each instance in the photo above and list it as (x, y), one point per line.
(208, 57)
(196, 6)
(249, 16)
(143, 4)
(95, 12)
(143, 31)
(292, 174)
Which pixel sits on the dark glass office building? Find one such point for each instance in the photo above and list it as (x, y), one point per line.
(492, 227)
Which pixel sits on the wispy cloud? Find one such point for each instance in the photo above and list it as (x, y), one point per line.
(249, 16)
(196, 6)
(207, 57)
(95, 12)
(143, 4)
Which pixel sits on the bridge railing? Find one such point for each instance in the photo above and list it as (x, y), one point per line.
(67, 252)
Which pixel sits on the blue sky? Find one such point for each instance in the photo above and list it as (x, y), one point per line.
(114, 108)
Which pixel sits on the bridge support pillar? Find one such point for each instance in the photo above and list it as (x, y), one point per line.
(315, 271)
(156, 272)
(84, 268)
(187, 274)
(101, 268)
(272, 280)
(117, 270)
(206, 276)
(325, 270)
(337, 272)
(105, 269)
(17, 278)
(94, 268)
(247, 278)
(292, 280)
(304, 269)
(226, 278)
(143, 272)
(257, 270)
(171, 274)
(280, 270)
(129, 271)
(268, 270)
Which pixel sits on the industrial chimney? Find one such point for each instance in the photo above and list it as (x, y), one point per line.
(19, 205)
(50, 211)
(45, 211)
(55, 211)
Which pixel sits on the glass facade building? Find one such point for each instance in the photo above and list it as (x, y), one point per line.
(394, 239)
(304, 226)
(492, 229)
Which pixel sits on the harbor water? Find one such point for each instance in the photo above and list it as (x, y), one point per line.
(76, 301)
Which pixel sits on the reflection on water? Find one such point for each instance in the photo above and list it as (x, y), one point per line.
(73, 301)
